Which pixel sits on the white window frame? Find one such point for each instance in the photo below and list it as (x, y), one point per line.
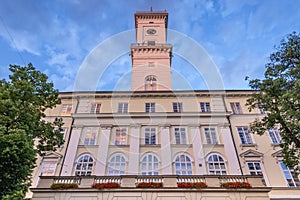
(255, 171)
(216, 164)
(150, 107)
(95, 108)
(149, 133)
(275, 136)
(182, 131)
(287, 173)
(117, 167)
(150, 167)
(85, 168)
(120, 140)
(183, 164)
(205, 107)
(123, 107)
(236, 107)
(244, 135)
(66, 110)
(177, 107)
(211, 135)
(90, 135)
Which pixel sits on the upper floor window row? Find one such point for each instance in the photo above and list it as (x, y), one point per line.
(66, 110)
(236, 107)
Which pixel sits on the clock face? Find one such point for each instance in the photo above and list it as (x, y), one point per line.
(151, 31)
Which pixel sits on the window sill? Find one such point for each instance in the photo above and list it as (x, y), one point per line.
(214, 144)
(92, 146)
(150, 145)
(119, 145)
(181, 145)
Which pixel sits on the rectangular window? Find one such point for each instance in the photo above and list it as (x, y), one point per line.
(211, 136)
(244, 135)
(205, 106)
(180, 136)
(90, 135)
(177, 107)
(236, 107)
(287, 174)
(64, 131)
(275, 136)
(123, 108)
(151, 43)
(66, 110)
(150, 107)
(48, 168)
(150, 136)
(95, 108)
(120, 136)
(254, 168)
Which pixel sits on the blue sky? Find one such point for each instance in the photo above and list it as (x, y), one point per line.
(57, 36)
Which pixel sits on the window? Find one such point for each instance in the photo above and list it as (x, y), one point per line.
(236, 107)
(66, 110)
(288, 175)
(150, 107)
(123, 108)
(48, 168)
(275, 136)
(149, 165)
(90, 136)
(84, 166)
(64, 131)
(120, 136)
(150, 83)
(211, 136)
(244, 135)
(95, 108)
(216, 165)
(117, 165)
(180, 136)
(205, 106)
(254, 168)
(177, 107)
(150, 136)
(183, 165)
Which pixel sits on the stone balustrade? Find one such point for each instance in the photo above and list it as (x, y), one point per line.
(169, 181)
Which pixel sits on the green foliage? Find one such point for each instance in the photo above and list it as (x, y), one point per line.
(279, 94)
(23, 100)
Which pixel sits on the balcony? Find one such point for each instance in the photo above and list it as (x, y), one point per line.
(133, 187)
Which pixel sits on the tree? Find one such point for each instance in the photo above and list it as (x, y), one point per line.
(24, 132)
(279, 94)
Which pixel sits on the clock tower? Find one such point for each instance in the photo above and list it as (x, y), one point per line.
(151, 55)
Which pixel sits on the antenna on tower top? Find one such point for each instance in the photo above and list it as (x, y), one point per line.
(150, 8)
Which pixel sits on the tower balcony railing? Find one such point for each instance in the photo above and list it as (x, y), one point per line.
(166, 181)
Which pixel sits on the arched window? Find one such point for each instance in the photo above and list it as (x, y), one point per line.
(117, 165)
(150, 83)
(84, 166)
(149, 165)
(216, 165)
(183, 165)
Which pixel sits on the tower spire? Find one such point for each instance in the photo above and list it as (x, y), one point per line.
(150, 8)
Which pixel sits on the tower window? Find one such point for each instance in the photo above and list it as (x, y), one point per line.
(150, 83)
